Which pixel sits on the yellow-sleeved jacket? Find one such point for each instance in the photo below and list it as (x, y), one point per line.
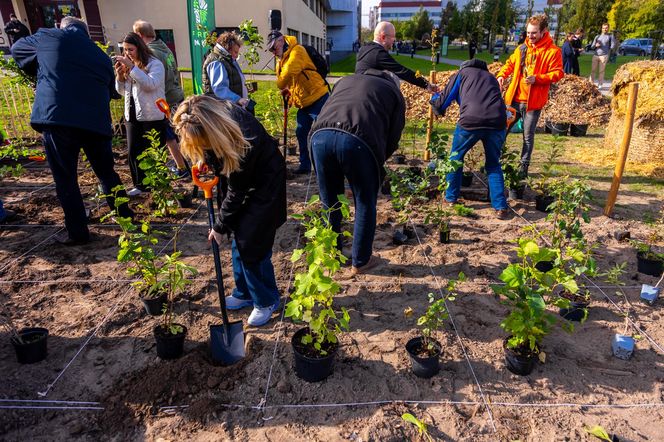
(297, 72)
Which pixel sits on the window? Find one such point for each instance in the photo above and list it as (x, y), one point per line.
(305, 39)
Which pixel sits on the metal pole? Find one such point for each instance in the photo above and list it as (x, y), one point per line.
(624, 148)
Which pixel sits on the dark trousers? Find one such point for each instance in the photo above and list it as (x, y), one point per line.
(63, 145)
(305, 119)
(137, 143)
(337, 155)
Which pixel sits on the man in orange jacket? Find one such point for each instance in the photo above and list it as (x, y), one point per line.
(534, 65)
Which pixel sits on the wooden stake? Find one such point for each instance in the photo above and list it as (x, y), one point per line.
(427, 153)
(624, 148)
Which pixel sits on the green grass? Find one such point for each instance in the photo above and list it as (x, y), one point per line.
(347, 65)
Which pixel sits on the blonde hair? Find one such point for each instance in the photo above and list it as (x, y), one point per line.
(144, 28)
(205, 123)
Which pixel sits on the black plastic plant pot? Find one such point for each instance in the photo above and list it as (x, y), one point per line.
(399, 158)
(516, 193)
(519, 361)
(544, 266)
(444, 236)
(308, 365)
(416, 170)
(33, 348)
(169, 346)
(154, 306)
(185, 201)
(575, 312)
(385, 188)
(398, 237)
(424, 366)
(622, 235)
(467, 179)
(409, 232)
(292, 150)
(578, 130)
(652, 267)
(542, 202)
(547, 127)
(559, 128)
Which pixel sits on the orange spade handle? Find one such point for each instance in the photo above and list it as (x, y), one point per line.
(163, 106)
(205, 185)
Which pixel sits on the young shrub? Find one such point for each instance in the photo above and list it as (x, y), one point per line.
(158, 176)
(314, 289)
(175, 273)
(436, 314)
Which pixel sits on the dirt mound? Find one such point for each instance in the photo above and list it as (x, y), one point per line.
(576, 100)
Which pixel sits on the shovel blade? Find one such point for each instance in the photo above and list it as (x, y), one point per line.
(227, 350)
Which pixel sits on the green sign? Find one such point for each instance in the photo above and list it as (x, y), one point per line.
(444, 46)
(201, 23)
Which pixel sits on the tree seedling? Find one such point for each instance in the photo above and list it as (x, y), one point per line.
(314, 289)
(253, 40)
(436, 314)
(158, 177)
(599, 432)
(422, 428)
(174, 279)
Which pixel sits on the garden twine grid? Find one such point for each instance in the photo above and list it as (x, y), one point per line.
(81, 405)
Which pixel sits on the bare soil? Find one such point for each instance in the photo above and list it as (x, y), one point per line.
(102, 349)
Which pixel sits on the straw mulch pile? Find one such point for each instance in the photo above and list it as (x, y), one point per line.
(648, 131)
(576, 100)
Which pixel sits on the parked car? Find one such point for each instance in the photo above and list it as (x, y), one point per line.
(636, 46)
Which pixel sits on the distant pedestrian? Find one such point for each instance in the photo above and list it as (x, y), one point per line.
(603, 44)
(15, 30)
(568, 54)
(577, 44)
(472, 48)
(72, 112)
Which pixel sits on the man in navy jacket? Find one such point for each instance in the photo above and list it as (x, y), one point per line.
(75, 83)
(482, 117)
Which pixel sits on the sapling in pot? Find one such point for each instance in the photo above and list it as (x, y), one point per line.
(425, 350)
(253, 40)
(407, 189)
(542, 182)
(29, 343)
(314, 289)
(158, 177)
(648, 261)
(170, 335)
(514, 179)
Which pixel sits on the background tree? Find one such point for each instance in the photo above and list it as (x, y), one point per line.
(366, 35)
(586, 14)
(422, 23)
(471, 20)
(638, 18)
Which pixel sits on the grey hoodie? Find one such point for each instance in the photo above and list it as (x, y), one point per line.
(174, 92)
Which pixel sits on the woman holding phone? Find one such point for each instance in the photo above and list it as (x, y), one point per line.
(139, 77)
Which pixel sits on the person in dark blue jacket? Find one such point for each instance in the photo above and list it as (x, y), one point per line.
(569, 54)
(482, 117)
(75, 83)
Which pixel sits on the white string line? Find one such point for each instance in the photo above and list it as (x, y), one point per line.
(103, 321)
(45, 407)
(31, 249)
(42, 401)
(622, 312)
(459, 340)
(173, 408)
(283, 309)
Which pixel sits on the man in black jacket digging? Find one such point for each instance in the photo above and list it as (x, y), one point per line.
(357, 130)
(375, 56)
(482, 117)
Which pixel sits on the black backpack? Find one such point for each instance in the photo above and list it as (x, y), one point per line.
(318, 60)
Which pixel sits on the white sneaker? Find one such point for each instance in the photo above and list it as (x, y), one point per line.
(233, 303)
(261, 316)
(134, 192)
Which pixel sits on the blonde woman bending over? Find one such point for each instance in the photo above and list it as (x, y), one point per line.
(248, 162)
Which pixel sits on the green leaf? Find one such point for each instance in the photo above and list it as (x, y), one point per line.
(598, 432)
(530, 248)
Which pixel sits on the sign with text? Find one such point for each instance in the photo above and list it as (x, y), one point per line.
(201, 23)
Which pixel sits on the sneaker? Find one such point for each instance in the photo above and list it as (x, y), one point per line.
(373, 262)
(134, 192)
(233, 303)
(181, 174)
(261, 316)
(503, 214)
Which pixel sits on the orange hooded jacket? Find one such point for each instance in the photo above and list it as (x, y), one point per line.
(544, 60)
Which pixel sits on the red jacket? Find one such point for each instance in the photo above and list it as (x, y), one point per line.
(545, 61)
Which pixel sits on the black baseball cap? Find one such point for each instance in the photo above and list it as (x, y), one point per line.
(272, 37)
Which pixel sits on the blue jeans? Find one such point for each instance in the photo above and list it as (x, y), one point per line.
(63, 145)
(337, 155)
(254, 281)
(2, 212)
(493, 141)
(305, 119)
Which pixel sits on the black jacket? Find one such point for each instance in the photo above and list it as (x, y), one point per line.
(374, 56)
(481, 104)
(75, 79)
(369, 106)
(16, 30)
(254, 205)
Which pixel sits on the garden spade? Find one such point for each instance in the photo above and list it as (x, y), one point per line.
(285, 97)
(226, 340)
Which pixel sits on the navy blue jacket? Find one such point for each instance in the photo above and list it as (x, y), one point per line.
(481, 105)
(75, 79)
(568, 57)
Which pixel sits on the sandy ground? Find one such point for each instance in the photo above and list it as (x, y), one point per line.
(82, 292)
